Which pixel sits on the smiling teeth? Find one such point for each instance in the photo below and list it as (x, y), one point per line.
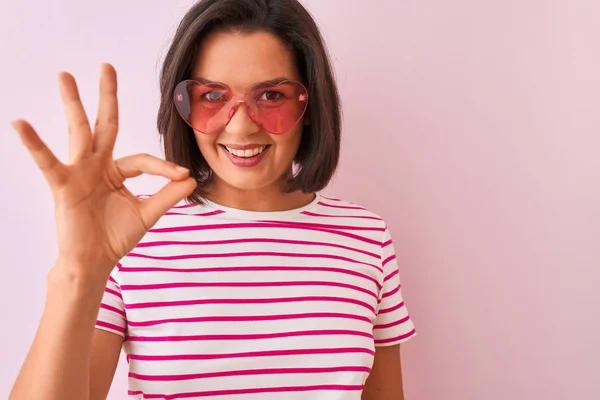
(246, 153)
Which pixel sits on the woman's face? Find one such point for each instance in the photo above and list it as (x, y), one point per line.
(240, 61)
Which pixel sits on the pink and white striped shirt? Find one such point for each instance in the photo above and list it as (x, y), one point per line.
(221, 303)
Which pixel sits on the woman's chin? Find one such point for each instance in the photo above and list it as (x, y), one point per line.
(244, 181)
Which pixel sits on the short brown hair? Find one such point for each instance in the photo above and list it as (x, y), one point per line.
(318, 154)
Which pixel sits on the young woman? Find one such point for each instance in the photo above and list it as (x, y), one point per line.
(257, 287)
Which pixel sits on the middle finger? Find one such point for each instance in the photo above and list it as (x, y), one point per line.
(80, 135)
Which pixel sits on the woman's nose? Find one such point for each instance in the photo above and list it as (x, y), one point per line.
(240, 122)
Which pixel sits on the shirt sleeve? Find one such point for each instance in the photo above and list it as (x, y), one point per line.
(112, 317)
(393, 324)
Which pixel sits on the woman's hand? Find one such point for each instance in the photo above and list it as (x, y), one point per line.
(98, 220)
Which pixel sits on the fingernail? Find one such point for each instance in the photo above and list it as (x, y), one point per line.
(181, 169)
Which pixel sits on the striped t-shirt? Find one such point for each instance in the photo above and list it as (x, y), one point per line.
(221, 303)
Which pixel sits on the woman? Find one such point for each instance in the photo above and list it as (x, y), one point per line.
(258, 287)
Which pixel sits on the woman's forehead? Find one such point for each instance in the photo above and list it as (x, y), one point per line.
(241, 60)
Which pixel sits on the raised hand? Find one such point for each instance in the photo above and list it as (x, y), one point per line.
(98, 220)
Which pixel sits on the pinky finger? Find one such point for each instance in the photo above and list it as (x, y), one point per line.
(157, 205)
(54, 171)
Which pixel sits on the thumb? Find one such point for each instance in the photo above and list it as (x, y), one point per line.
(156, 206)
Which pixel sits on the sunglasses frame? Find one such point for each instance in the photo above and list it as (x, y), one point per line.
(238, 98)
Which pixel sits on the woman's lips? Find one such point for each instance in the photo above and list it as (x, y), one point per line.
(245, 161)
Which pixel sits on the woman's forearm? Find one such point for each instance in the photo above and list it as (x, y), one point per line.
(97, 220)
(58, 363)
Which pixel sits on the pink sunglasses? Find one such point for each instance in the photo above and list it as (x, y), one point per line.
(276, 106)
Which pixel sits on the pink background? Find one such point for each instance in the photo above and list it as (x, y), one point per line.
(471, 126)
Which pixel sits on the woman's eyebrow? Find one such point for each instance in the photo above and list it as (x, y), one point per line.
(259, 85)
(270, 82)
(205, 81)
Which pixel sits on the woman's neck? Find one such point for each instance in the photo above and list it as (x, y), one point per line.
(261, 200)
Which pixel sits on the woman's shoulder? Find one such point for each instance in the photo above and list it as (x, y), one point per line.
(334, 207)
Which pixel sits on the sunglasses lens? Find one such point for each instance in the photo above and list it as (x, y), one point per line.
(203, 107)
(279, 108)
(208, 107)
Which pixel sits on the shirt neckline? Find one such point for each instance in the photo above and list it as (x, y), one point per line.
(235, 213)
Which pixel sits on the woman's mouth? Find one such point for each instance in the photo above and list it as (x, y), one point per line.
(246, 156)
(246, 153)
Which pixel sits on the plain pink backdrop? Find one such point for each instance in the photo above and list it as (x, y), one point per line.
(471, 126)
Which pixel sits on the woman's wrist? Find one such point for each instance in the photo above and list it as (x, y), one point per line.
(68, 281)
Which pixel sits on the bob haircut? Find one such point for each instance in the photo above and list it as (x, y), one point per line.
(318, 154)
